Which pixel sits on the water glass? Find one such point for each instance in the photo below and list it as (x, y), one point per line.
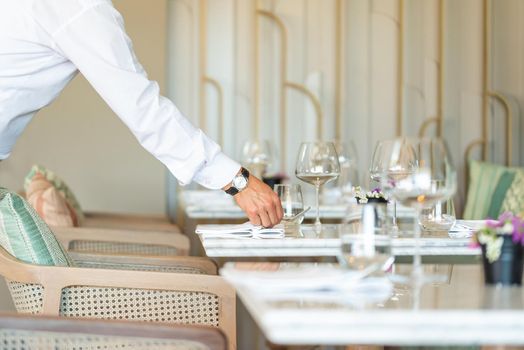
(439, 217)
(367, 244)
(292, 202)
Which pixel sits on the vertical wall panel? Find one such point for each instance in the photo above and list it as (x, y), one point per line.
(370, 78)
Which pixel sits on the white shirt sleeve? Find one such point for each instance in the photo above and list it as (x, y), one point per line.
(95, 41)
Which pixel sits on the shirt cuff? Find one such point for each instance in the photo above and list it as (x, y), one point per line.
(218, 172)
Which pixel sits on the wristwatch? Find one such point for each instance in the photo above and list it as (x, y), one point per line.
(239, 182)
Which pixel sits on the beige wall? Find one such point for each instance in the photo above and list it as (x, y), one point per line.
(80, 138)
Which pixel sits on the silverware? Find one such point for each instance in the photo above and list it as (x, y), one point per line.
(294, 217)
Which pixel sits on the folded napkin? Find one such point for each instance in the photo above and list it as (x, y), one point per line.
(465, 228)
(245, 230)
(309, 282)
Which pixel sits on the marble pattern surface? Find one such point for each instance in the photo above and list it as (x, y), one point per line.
(460, 311)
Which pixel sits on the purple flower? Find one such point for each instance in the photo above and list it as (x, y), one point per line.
(474, 244)
(494, 224)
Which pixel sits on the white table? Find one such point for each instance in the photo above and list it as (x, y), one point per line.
(327, 244)
(461, 312)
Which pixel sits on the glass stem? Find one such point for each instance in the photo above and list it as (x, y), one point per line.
(317, 189)
(417, 260)
(395, 214)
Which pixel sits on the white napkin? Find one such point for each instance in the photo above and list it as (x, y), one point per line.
(311, 283)
(245, 230)
(465, 228)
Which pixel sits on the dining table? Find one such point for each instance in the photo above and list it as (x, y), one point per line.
(460, 310)
(306, 243)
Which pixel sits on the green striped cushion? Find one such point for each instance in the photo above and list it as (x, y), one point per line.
(513, 196)
(488, 187)
(25, 235)
(59, 184)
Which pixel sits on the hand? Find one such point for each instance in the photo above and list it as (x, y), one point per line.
(260, 203)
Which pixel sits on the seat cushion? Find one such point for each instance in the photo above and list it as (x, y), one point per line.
(25, 235)
(49, 203)
(492, 190)
(39, 173)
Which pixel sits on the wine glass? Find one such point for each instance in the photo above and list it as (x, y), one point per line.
(257, 156)
(382, 165)
(416, 185)
(317, 164)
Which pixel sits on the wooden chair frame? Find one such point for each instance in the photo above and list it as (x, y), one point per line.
(206, 265)
(129, 222)
(55, 278)
(209, 336)
(67, 235)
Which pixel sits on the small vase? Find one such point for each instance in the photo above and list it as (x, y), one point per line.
(507, 269)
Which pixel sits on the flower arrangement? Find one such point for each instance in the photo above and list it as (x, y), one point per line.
(375, 196)
(492, 234)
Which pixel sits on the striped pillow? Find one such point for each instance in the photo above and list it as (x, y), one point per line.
(25, 235)
(488, 186)
(37, 173)
(508, 195)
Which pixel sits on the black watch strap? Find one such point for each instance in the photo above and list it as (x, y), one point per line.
(232, 190)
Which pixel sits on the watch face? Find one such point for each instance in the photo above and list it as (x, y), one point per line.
(240, 182)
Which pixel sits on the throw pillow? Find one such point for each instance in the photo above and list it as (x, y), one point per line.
(59, 185)
(509, 194)
(49, 203)
(25, 235)
(489, 185)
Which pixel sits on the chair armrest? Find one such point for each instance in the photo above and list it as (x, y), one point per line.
(130, 221)
(180, 264)
(70, 236)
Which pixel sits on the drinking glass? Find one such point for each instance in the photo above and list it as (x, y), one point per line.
(317, 164)
(292, 202)
(382, 165)
(440, 217)
(257, 156)
(430, 179)
(368, 246)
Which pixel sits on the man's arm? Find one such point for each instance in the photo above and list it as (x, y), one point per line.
(96, 42)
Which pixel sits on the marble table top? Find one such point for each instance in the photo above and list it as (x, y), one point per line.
(458, 311)
(327, 244)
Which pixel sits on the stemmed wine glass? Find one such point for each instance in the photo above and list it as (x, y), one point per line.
(431, 178)
(257, 156)
(317, 164)
(382, 166)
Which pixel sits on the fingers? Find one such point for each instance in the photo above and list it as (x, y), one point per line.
(253, 216)
(264, 212)
(260, 203)
(264, 217)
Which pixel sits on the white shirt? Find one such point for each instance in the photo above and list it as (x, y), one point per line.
(44, 43)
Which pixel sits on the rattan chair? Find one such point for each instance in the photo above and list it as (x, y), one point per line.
(125, 242)
(45, 333)
(122, 294)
